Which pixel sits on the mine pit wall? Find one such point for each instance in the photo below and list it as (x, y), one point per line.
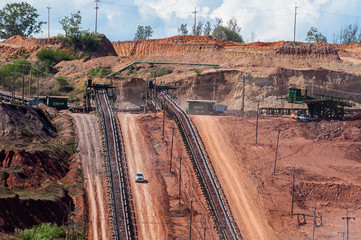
(144, 48)
(228, 86)
(22, 213)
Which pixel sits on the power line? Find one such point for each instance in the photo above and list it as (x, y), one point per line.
(330, 13)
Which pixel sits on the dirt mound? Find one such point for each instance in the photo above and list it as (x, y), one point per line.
(24, 41)
(313, 50)
(24, 121)
(22, 213)
(27, 169)
(104, 49)
(328, 193)
(21, 45)
(172, 45)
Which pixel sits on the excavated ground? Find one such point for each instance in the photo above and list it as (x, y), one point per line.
(159, 214)
(40, 179)
(90, 152)
(326, 158)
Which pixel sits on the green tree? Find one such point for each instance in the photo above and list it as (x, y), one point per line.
(143, 33)
(231, 32)
(71, 25)
(314, 36)
(207, 28)
(19, 19)
(76, 37)
(348, 34)
(198, 29)
(182, 30)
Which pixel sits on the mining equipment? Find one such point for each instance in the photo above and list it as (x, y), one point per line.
(90, 92)
(319, 106)
(205, 107)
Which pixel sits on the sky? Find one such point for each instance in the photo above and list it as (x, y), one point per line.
(260, 20)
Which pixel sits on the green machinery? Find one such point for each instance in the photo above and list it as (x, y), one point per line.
(319, 106)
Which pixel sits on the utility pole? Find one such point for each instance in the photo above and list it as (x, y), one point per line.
(347, 218)
(96, 16)
(48, 21)
(190, 221)
(30, 81)
(37, 87)
(171, 152)
(13, 87)
(195, 21)
(204, 232)
(278, 138)
(243, 94)
(294, 27)
(23, 92)
(180, 178)
(293, 189)
(257, 121)
(314, 223)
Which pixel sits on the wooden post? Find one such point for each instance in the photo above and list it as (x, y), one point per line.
(257, 122)
(37, 88)
(243, 95)
(163, 124)
(180, 178)
(347, 218)
(278, 138)
(171, 152)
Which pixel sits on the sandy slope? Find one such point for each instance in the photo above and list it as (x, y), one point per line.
(246, 206)
(95, 181)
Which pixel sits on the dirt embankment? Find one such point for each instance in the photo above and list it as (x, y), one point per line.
(313, 50)
(40, 179)
(172, 45)
(325, 156)
(20, 45)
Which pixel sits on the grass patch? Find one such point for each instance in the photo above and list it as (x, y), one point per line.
(49, 191)
(162, 71)
(100, 71)
(43, 232)
(198, 71)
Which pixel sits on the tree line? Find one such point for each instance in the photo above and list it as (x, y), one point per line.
(21, 19)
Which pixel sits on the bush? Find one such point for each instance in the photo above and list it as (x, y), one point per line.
(50, 57)
(81, 41)
(18, 68)
(100, 72)
(198, 71)
(44, 231)
(162, 71)
(63, 84)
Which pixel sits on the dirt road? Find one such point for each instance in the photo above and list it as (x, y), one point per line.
(241, 192)
(159, 215)
(95, 180)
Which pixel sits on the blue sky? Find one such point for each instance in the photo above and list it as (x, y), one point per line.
(263, 20)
